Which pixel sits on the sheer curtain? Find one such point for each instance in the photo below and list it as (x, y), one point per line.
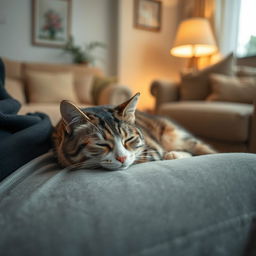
(226, 24)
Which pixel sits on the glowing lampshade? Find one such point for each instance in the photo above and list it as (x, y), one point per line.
(194, 38)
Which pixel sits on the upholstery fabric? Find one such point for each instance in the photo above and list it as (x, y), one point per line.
(114, 94)
(15, 87)
(214, 120)
(196, 206)
(50, 88)
(164, 91)
(83, 74)
(22, 138)
(196, 85)
(245, 71)
(232, 89)
(76, 70)
(51, 108)
(13, 69)
(83, 88)
(99, 84)
(167, 92)
(227, 146)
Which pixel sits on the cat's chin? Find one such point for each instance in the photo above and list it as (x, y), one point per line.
(124, 167)
(116, 168)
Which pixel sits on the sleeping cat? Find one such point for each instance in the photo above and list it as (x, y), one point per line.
(117, 137)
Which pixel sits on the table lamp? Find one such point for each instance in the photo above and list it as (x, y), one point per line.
(194, 38)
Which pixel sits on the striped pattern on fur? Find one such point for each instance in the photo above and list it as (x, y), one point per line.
(117, 137)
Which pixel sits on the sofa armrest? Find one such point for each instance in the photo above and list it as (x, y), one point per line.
(114, 94)
(252, 142)
(164, 91)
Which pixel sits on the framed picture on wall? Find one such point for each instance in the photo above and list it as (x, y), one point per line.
(147, 14)
(51, 22)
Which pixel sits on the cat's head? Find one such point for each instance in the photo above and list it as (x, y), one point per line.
(101, 136)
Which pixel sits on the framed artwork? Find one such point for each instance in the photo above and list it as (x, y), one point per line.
(51, 22)
(147, 14)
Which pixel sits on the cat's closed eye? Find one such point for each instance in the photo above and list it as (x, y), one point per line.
(98, 149)
(104, 145)
(127, 140)
(131, 142)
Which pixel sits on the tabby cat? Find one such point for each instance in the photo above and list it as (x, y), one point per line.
(117, 137)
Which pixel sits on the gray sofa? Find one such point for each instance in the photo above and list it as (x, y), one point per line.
(197, 206)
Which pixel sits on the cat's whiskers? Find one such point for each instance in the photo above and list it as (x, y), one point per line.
(143, 157)
(147, 153)
(91, 163)
(144, 137)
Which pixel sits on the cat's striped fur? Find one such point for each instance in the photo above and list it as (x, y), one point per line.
(117, 137)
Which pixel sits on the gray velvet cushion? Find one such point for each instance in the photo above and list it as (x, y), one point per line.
(197, 206)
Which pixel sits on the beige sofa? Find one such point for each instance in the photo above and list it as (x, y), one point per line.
(81, 89)
(228, 126)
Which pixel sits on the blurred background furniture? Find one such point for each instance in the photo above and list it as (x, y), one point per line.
(228, 126)
(41, 86)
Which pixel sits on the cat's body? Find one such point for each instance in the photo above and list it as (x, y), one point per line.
(117, 137)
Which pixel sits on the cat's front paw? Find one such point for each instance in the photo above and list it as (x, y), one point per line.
(176, 155)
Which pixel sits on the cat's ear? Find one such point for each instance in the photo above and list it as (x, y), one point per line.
(126, 110)
(71, 114)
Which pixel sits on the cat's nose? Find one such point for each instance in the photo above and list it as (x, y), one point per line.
(121, 159)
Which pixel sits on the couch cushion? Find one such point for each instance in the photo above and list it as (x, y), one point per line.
(99, 84)
(16, 89)
(233, 89)
(50, 88)
(51, 109)
(225, 147)
(196, 206)
(214, 120)
(13, 69)
(83, 88)
(196, 85)
(76, 69)
(245, 71)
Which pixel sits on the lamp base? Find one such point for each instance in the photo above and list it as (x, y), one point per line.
(193, 63)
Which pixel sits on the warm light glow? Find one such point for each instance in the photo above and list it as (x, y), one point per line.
(193, 50)
(194, 38)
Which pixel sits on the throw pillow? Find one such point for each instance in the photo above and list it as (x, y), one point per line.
(245, 71)
(232, 89)
(13, 68)
(15, 88)
(196, 85)
(99, 84)
(83, 88)
(50, 87)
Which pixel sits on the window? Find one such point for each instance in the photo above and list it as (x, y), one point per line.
(246, 45)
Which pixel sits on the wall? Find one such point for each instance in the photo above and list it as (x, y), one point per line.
(144, 55)
(91, 20)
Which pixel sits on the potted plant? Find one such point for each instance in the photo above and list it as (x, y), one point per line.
(83, 55)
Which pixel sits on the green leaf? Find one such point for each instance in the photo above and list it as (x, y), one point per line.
(80, 55)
